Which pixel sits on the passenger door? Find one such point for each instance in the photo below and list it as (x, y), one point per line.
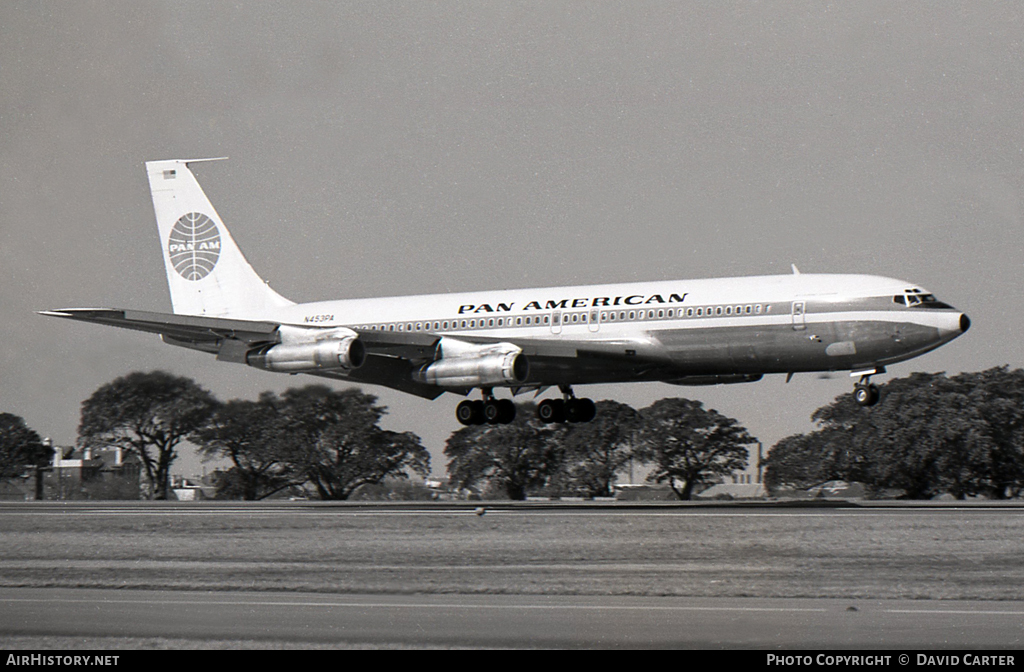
(798, 315)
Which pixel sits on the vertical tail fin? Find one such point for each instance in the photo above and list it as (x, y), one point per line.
(206, 272)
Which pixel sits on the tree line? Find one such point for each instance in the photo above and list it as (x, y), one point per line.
(330, 442)
(931, 434)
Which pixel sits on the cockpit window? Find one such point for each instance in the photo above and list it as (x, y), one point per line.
(916, 299)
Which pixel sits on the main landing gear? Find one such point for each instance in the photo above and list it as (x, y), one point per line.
(866, 393)
(489, 411)
(567, 409)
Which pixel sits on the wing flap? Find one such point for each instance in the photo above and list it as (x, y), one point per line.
(413, 346)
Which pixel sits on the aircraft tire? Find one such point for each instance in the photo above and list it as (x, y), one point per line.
(866, 395)
(579, 410)
(507, 411)
(470, 413)
(499, 411)
(551, 410)
(492, 414)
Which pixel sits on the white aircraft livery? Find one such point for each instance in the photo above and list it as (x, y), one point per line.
(683, 332)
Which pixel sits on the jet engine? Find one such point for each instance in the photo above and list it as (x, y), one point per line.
(337, 352)
(475, 366)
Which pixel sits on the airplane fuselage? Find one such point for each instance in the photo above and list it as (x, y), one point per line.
(674, 329)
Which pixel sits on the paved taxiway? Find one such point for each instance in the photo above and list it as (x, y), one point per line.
(512, 621)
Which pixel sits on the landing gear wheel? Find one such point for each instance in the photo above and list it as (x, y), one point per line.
(866, 395)
(551, 410)
(580, 410)
(492, 413)
(506, 411)
(470, 412)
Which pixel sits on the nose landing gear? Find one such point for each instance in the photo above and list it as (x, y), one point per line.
(866, 393)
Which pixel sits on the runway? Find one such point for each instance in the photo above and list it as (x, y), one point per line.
(513, 621)
(549, 575)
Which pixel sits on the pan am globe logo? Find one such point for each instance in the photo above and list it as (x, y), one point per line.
(194, 246)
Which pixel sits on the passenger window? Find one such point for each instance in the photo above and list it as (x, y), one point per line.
(661, 314)
(718, 310)
(490, 322)
(728, 310)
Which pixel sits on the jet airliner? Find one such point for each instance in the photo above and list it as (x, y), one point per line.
(683, 332)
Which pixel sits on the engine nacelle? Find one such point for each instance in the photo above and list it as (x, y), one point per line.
(486, 370)
(336, 353)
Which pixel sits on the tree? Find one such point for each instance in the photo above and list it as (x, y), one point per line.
(21, 449)
(998, 396)
(253, 435)
(805, 460)
(687, 444)
(335, 442)
(516, 457)
(933, 434)
(148, 414)
(594, 453)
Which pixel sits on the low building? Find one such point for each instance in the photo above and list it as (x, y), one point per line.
(92, 473)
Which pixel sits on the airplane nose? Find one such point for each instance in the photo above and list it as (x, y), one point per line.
(965, 323)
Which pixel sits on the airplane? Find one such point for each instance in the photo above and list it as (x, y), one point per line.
(681, 332)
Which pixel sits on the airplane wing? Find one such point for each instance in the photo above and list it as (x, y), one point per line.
(391, 356)
(202, 333)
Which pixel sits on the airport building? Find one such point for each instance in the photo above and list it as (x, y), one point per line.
(92, 473)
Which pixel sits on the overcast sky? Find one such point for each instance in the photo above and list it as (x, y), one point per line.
(388, 148)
